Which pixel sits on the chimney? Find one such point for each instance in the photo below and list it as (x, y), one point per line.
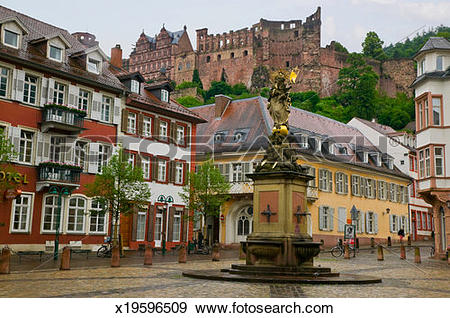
(222, 102)
(116, 56)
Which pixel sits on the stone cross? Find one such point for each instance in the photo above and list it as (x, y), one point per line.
(268, 213)
(298, 214)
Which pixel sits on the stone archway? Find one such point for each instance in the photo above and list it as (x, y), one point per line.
(238, 211)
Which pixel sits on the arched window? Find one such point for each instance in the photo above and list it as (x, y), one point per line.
(77, 210)
(219, 57)
(243, 225)
(232, 55)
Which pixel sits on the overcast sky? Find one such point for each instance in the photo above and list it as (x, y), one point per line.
(346, 21)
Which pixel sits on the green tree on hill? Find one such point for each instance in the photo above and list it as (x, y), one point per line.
(373, 47)
(357, 87)
(196, 79)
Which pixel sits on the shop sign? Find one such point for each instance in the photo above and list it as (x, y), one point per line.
(15, 177)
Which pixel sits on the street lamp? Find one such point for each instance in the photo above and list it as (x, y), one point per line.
(60, 191)
(166, 201)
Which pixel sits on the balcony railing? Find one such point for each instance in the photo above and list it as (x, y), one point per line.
(62, 118)
(59, 174)
(312, 193)
(241, 187)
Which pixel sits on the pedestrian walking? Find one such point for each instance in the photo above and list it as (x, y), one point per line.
(401, 234)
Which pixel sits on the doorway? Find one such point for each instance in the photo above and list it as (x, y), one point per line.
(244, 224)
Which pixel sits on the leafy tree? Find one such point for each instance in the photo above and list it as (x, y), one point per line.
(206, 190)
(373, 47)
(338, 47)
(305, 100)
(239, 89)
(189, 101)
(223, 76)
(186, 85)
(265, 92)
(7, 154)
(120, 188)
(196, 79)
(357, 87)
(218, 88)
(410, 47)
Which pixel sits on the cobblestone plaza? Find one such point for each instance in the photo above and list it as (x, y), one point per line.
(94, 278)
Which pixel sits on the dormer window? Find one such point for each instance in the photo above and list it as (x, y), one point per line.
(135, 86)
(164, 95)
(55, 53)
(93, 66)
(303, 141)
(11, 39)
(439, 66)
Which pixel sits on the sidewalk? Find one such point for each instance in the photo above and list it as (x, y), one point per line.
(131, 258)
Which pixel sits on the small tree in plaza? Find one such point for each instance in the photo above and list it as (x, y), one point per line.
(120, 189)
(206, 190)
(7, 154)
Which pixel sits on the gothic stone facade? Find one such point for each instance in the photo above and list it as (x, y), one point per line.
(247, 56)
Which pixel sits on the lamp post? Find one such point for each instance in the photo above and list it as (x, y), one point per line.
(166, 201)
(60, 191)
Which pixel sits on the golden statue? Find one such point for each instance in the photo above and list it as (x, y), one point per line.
(279, 100)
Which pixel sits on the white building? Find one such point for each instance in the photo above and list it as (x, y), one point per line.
(432, 96)
(401, 146)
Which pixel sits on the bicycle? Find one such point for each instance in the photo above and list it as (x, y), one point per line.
(338, 250)
(202, 249)
(106, 249)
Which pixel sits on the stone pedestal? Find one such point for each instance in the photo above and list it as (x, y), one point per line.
(280, 237)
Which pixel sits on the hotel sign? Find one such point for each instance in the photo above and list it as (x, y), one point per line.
(14, 177)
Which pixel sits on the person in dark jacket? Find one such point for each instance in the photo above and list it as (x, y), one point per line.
(401, 234)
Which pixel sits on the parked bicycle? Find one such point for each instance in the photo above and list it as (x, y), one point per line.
(106, 249)
(202, 248)
(338, 250)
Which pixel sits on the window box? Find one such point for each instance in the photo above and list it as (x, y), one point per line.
(59, 172)
(62, 117)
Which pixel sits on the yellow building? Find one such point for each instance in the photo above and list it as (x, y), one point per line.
(349, 171)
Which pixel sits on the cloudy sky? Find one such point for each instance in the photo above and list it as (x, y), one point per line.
(346, 21)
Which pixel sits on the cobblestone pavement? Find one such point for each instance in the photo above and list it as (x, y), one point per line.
(401, 278)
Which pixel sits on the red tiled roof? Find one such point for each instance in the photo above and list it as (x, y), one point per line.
(29, 53)
(172, 107)
(382, 129)
(251, 115)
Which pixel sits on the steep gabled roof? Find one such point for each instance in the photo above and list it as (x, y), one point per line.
(31, 56)
(251, 118)
(435, 43)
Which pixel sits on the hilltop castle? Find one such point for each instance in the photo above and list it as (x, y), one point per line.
(248, 55)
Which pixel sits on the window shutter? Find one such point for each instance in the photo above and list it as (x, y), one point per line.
(140, 124)
(116, 111)
(407, 224)
(376, 222)
(331, 227)
(151, 215)
(342, 219)
(172, 131)
(42, 147)
(154, 169)
(124, 125)
(44, 91)
(138, 161)
(51, 89)
(361, 215)
(379, 190)
(172, 171)
(374, 187)
(93, 157)
(321, 218)
(96, 105)
(246, 170)
(367, 222)
(185, 173)
(336, 182)
(73, 95)
(188, 136)
(14, 137)
(391, 224)
(69, 150)
(156, 128)
(134, 228)
(170, 229)
(345, 184)
(330, 181)
(361, 186)
(185, 225)
(18, 82)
